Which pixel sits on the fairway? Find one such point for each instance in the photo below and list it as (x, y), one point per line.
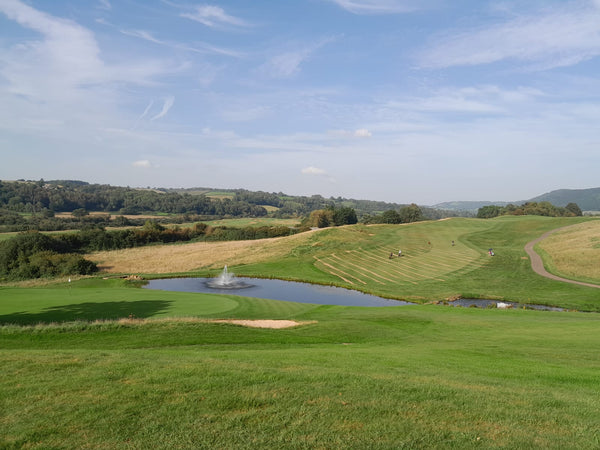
(399, 377)
(428, 253)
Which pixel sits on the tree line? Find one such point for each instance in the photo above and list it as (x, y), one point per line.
(68, 196)
(44, 198)
(530, 209)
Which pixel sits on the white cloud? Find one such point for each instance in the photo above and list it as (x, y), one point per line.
(65, 62)
(287, 64)
(552, 38)
(165, 109)
(214, 17)
(313, 171)
(359, 133)
(105, 4)
(379, 6)
(142, 35)
(142, 163)
(362, 133)
(147, 110)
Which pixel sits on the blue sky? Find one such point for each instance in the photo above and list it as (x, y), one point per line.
(399, 100)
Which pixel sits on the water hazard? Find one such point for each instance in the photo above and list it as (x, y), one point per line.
(288, 291)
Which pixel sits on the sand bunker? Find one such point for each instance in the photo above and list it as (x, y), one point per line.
(261, 323)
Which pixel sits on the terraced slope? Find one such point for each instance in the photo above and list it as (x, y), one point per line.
(427, 254)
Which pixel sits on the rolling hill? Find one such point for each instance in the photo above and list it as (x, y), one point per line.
(586, 199)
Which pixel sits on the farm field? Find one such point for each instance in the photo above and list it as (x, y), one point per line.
(11, 234)
(246, 222)
(99, 363)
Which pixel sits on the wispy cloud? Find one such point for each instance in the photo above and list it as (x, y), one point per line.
(142, 164)
(66, 59)
(356, 134)
(198, 47)
(379, 6)
(551, 38)
(214, 17)
(104, 4)
(362, 133)
(286, 64)
(165, 109)
(311, 170)
(143, 35)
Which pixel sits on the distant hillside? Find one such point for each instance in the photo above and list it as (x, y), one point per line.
(586, 199)
(472, 206)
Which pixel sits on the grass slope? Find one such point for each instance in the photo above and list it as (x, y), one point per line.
(400, 377)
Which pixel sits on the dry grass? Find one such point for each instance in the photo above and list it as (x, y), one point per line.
(200, 255)
(575, 252)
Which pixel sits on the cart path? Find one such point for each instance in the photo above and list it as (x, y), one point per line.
(538, 265)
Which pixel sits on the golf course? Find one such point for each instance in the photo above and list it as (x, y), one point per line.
(99, 362)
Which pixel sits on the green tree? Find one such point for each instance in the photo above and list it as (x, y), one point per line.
(391, 216)
(574, 208)
(487, 212)
(344, 216)
(411, 213)
(80, 212)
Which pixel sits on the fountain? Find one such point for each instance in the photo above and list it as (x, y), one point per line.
(226, 280)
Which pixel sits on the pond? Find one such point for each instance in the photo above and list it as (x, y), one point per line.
(289, 291)
(467, 303)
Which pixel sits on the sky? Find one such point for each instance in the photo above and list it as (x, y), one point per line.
(404, 101)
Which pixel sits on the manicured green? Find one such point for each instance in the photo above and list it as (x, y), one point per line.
(414, 377)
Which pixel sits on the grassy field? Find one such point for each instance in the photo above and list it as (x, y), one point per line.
(253, 222)
(11, 234)
(99, 363)
(574, 252)
(397, 377)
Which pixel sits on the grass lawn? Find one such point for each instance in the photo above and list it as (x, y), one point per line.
(394, 377)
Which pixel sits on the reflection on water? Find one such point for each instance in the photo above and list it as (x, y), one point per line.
(467, 302)
(288, 291)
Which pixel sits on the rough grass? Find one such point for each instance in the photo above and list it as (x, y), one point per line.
(574, 252)
(194, 256)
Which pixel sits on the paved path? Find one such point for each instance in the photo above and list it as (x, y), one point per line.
(538, 265)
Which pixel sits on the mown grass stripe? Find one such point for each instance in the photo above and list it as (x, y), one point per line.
(362, 268)
(388, 263)
(411, 270)
(335, 272)
(346, 267)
